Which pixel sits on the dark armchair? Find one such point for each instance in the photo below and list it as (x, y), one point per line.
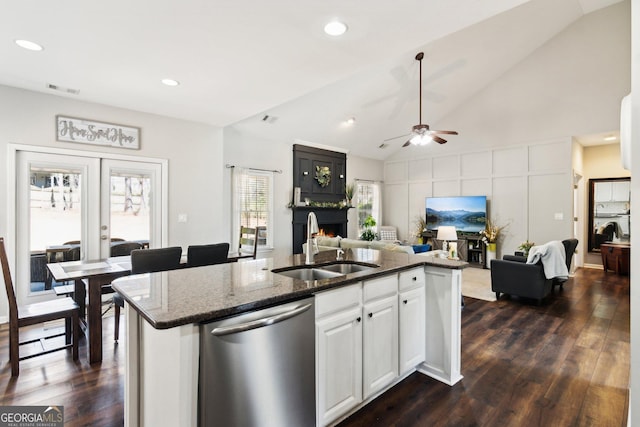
(513, 276)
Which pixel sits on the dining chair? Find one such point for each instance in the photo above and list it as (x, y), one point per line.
(248, 242)
(216, 253)
(147, 261)
(33, 314)
(123, 248)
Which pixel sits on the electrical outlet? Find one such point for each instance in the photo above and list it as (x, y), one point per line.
(559, 216)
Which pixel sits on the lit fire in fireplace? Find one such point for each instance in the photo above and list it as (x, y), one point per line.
(327, 234)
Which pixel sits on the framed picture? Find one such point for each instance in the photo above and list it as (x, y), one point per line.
(72, 129)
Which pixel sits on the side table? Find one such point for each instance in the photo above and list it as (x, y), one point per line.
(616, 257)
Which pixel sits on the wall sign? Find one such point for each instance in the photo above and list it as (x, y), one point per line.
(97, 133)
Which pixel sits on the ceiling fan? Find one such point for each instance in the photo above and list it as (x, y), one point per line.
(420, 133)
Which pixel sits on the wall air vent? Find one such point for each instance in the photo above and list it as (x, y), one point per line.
(269, 119)
(63, 89)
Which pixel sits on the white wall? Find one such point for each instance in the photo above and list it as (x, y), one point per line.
(634, 399)
(515, 134)
(516, 181)
(194, 152)
(249, 151)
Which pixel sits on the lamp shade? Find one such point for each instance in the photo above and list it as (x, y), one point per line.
(447, 232)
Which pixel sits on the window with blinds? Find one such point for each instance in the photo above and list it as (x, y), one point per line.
(255, 203)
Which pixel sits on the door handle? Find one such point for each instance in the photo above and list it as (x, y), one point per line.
(265, 321)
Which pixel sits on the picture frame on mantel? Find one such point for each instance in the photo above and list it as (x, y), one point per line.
(83, 131)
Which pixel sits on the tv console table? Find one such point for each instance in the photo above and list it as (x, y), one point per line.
(470, 247)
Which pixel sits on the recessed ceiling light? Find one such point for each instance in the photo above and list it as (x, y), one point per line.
(335, 28)
(350, 120)
(170, 82)
(610, 138)
(26, 44)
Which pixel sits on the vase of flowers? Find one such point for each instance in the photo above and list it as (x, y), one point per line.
(526, 246)
(490, 236)
(421, 227)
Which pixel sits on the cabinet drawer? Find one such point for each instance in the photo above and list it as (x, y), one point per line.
(380, 287)
(411, 279)
(338, 299)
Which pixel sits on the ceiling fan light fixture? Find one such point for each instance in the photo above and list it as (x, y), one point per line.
(421, 139)
(29, 45)
(335, 28)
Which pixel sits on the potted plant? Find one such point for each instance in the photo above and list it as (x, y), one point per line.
(349, 191)
(526, 246)
(368, 233)
(490, 236)
(421, 227)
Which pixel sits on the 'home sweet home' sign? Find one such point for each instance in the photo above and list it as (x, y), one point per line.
(89, 132)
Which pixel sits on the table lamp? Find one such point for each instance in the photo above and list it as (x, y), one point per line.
(448, 233)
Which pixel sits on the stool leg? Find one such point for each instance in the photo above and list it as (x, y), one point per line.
(116, 313)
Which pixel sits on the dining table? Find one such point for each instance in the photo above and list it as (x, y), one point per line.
(89, 277)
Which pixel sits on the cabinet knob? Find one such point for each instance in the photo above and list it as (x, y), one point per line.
(359, 319)
(405, 301)
(414, 278)
(370, 314)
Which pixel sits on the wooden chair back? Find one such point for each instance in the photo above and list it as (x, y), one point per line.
(8, 283)
(34, 314)
(124, 248)
(152, 260)
(248, 243)
(216, 253)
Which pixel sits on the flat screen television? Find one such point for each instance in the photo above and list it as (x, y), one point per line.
(467, 213)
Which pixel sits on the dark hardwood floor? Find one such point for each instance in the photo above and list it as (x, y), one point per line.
(563, 363)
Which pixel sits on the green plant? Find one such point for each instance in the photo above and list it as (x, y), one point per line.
(368, 233)
(349, 191)
(526, 246)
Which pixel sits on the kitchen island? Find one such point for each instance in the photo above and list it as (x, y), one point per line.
(164, 312)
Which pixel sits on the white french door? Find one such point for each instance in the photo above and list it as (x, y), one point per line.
(83, 202)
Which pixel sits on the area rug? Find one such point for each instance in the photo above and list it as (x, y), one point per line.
(476, 283)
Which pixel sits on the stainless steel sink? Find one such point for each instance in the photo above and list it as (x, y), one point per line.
(346, 268)
(308, 273)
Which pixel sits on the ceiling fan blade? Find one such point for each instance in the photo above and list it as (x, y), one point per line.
(439, 140)
(444, 132)
(406, 144)
(395, 137)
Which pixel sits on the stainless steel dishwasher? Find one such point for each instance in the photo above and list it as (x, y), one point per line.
(258, 368)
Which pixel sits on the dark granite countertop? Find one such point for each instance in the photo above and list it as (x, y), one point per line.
(201, 294)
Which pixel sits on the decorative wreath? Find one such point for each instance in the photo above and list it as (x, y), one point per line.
(323, 175)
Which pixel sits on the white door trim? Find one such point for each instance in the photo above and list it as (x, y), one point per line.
(10, 237)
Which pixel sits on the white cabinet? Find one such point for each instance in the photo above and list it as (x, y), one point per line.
(411, 313)
(612, 191)
(380, 344)
(338, 352)
(411, 309)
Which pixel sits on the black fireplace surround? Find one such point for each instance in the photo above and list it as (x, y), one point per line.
(305, 161)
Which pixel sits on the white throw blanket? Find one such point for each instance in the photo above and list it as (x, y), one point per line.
(553, 257)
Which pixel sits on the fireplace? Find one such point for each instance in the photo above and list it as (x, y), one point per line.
(332, 222)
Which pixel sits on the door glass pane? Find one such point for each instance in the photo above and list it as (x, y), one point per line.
(130, 207)
(55, 228)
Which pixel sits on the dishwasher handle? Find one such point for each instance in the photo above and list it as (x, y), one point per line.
(259, 323)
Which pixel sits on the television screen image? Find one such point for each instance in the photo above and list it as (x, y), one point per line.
(467, 213)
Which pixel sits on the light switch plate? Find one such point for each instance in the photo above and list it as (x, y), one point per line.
(559, 216)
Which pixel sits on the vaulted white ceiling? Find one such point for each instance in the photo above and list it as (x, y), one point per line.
(238, 61)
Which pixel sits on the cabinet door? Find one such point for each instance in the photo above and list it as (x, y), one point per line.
(380, 346)
(603, 192)
(412, 328)
(620, 191)
(338, 363)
